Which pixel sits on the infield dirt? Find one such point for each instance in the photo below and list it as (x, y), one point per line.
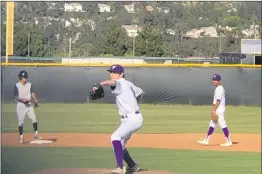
(241, 142)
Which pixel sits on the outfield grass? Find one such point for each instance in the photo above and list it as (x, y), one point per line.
(158, 119)
(20, 160)
(103, 118)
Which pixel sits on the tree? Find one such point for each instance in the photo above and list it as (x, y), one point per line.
(3, 39)
(53, 35)
(260, 32)
(123, 17)
(232, 21)
(36, 46)
(146, 18)
(50, 38)
(37, 43)
(82, 50)
(149, 43)
(90, 8)
(115, 40)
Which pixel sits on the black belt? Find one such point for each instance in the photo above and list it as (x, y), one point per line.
(125, 116)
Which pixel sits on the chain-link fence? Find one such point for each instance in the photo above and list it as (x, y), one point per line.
(248, 59)
(112, 60)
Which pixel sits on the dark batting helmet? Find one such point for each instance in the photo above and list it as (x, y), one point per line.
(23, 74)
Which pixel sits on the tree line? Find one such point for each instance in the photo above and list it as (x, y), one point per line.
(109, 38)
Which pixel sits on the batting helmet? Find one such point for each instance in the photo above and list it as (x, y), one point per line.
(23, 74)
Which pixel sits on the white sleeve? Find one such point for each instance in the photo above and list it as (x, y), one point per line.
(219, 93)
(136, 90)
(117, 88)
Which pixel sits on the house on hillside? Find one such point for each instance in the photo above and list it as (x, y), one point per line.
(170, 31)
(91, 23)
(194, 33)
(132, 30)
(210, 31)
(51, 5)
(204, 31)
(149, 8)
(163, 9)
(104, 8)
(226, 28)
(130, 8)
(73, 7)
(191, 3)
(253, 30)
(76, 21)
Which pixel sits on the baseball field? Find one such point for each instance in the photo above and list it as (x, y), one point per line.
(166, 143)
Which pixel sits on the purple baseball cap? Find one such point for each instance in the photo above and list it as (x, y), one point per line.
(216, 77)
(116, 69)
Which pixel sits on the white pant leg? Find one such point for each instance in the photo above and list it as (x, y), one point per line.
(221, 119)
(213, 123)
(128, 126)
(21, 111)
(31, 114)
(125, 140)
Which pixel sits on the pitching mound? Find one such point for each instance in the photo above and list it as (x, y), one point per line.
(90, 171)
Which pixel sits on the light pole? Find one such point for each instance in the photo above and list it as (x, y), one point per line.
(220, 45)
(134, 45)
(28, 43)
(70, 41)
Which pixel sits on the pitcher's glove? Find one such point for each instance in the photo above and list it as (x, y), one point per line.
(97, 92)
(214, 116)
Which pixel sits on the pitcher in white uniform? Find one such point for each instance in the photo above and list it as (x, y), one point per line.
(131, 118)
(219, 108)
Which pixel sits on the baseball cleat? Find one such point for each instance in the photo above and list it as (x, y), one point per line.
(227, 144)
(133, 169)
(205, 142)
(117, 171)
(37, 137)
(21, 140)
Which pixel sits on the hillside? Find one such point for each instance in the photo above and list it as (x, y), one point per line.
(107, 28)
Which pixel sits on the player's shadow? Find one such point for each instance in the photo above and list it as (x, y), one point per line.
(140, 170)
(51, 139)
(234, 143)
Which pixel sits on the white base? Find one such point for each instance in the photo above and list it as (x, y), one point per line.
(41, 142)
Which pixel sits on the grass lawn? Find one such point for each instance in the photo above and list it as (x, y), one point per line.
(20, 160)
(103, 118)
(157, 119)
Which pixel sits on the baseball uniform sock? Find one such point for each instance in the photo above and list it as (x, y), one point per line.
(128, 159)
(210, 132)
(226, 133)
(35, 126)
(20, 128)
(118, 153)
